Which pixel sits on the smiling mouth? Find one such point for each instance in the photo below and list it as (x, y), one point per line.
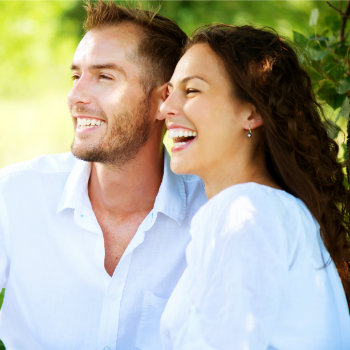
(86, 123)
(182, 136)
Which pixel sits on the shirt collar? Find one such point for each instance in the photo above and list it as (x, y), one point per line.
(171, 197)
(170, 200)
(75, 192)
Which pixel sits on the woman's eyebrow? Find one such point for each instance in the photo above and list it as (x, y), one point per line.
(186, 79)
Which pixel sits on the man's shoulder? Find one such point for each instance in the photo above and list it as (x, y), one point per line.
(45, 164)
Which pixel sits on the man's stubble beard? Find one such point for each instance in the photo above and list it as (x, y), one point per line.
(127, 133)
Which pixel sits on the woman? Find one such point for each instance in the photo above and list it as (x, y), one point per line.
(261, 264)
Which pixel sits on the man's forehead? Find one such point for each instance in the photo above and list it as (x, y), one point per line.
(112, 40)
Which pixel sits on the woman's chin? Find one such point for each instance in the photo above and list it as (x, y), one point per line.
(181, 167)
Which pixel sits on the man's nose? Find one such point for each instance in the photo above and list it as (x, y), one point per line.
(80, 92)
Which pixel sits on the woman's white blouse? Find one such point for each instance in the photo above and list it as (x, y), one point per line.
(256, 279)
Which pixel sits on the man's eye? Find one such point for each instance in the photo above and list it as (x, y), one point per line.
(75, 76)
(104, 76)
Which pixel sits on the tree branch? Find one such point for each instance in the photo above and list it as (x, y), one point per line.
(343, 14)
(343, 23)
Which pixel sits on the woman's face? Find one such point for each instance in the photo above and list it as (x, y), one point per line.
(205, 120)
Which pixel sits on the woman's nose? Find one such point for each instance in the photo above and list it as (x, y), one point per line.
(170, 106)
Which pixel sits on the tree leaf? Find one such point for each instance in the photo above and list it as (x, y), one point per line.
(332, 128)
(300, 39)
(317, 54)
(345, 109)
(314, 74)
(327, 92)
(344, 86)
(333, 69)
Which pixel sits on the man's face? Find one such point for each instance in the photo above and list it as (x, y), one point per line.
(110, 109)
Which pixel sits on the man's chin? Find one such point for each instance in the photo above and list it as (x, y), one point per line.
(95, 155)
(83, 153)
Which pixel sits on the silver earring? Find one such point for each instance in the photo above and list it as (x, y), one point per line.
(249, 133)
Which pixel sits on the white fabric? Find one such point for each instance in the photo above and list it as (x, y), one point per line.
(254, 279)
(58, 295)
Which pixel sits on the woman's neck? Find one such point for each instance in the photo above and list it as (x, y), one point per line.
(237, 171)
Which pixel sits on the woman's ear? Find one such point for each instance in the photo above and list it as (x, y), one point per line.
(254, 120)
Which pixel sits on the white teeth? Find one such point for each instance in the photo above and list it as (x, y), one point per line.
(173, 133)
(179, 143)
(85, 123)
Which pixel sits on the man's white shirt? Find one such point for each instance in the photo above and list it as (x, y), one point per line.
(58, 294)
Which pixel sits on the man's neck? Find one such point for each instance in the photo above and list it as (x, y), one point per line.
(128, 189)
(121, 197)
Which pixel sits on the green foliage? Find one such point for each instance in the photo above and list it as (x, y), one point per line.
(34, 46)
(326, 54)
(326, 57)
(2, 296)
(2, 346)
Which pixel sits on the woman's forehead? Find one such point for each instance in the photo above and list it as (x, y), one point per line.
(200, 60)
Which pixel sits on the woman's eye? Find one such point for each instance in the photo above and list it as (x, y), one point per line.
(191, 91)
(75, 76)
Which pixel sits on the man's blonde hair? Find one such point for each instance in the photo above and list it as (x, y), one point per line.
(162, 42)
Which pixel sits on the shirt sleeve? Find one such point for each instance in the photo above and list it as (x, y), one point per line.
(4, 257)
(241, 266)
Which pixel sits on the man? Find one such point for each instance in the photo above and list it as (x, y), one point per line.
(91, 248)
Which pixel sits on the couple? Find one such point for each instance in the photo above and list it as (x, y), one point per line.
(97, 252)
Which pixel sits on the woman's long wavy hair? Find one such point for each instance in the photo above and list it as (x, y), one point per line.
(300, 156)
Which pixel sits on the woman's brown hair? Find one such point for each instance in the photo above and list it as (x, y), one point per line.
(300, 156)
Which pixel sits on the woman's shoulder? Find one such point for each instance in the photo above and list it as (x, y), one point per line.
(254, 205)
(251, 215)
(253, 195)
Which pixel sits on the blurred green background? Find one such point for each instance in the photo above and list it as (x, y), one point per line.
(38, 39)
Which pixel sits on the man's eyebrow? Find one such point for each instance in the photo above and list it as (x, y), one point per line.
(101, 66)
(185, 80)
